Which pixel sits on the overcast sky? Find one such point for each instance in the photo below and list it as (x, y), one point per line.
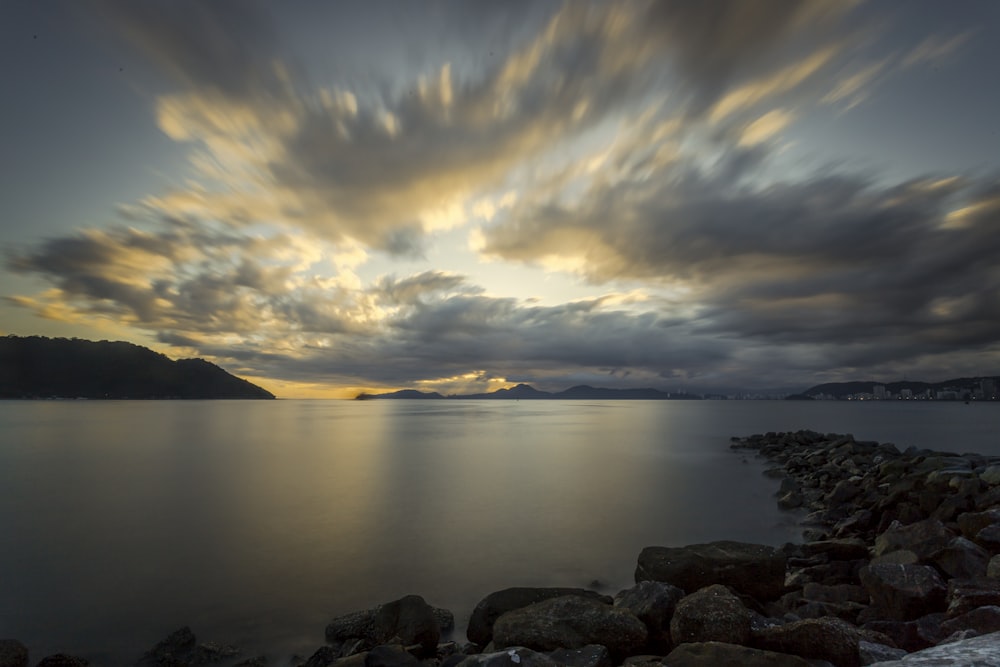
(326, 197)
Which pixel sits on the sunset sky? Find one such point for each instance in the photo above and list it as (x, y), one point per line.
(328, 197)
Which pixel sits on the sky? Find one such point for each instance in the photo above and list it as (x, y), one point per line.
(334, 197)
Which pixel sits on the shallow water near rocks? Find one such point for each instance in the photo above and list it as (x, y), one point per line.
(257, 522)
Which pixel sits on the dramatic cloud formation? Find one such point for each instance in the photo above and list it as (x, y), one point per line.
(634, 193)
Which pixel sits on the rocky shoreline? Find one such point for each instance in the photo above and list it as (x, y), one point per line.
(900, 566)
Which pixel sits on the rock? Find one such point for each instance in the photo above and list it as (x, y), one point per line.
(904, 592)
(514, 657)
(971, 523)
(13, 653)
(176, 648)
(844, 491)
(753, 569)
(964, 595)
(643, 661)
(714, 654)
(62, 660)
(993, 568)
(982, 651)
(570, 621)
(922, 538)
(256, 661)
(409, 618)
(871, 652)
(653, 603)
(989, 537)
(901, 557)
(498, 603)
(991, 475)
(850, 548)
(837, 593)
(592, 655)
(911, 635)
(390, 655)
(962, 559)
(982, 619)
(323, 657)
(817, 638)
(712, 614)
(790, 500)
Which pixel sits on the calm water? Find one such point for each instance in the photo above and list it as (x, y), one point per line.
(256, 522)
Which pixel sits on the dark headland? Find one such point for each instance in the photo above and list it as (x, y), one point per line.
(899, 567)
(39, 367)
(527, 392)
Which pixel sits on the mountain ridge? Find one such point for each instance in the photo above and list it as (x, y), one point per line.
(527, 392)
(40, 367)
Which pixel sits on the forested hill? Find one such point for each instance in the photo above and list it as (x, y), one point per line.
(38, 367)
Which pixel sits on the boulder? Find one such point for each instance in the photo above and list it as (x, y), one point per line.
(872, 652)
(814, 638)
(971, 523)
(592, 655)
(964, 595)
(850, 548)
(514, 657)
(922, 538)
(653, 603)
(904, 592)
(911, 635)
(181, 647)
(712, 614)
(498, 603)
(13, 653)
(982, 651)
(961, 559)
(993, 568)
(991, 475)
(571, 621)
(714, 654)
(989, 537)
(754, 569)
(410, 619)
(983, 620)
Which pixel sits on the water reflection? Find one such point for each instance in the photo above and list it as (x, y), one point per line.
(256, 522)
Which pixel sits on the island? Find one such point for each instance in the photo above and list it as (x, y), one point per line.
(36, 367)
(527, 392)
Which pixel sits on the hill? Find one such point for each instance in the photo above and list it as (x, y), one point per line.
(39, 367)
(527, 392)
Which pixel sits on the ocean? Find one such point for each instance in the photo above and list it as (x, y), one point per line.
(256, 522)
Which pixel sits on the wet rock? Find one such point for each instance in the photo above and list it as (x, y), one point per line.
(971, 523)
(323, 657)
(754, 569)
(496, 604)
(710, 614)
(714, 654)
(653, 603)
(982, 651)
(592, 655)
(820, 638)
(989, 537)
(13, 653)
(570, 621)
(904, 592)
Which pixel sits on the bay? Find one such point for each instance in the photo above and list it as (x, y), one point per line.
(256, 522)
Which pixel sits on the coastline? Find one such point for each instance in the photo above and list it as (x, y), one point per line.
(900, 554)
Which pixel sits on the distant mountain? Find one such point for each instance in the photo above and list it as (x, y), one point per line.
(962, 385)
(38, 367)
(527, 392)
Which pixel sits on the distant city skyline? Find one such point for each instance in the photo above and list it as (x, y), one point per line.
(330, 198)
